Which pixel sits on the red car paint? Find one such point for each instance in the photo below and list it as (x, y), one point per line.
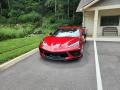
(59, 48)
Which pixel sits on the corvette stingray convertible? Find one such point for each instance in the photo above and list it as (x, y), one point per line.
(66, 43)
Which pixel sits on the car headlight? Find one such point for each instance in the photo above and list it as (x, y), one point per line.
(75, 44)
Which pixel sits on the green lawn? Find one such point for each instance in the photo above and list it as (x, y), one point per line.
(14, 47)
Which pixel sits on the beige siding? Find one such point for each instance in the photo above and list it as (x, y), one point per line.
(107, 13)
(89, 22)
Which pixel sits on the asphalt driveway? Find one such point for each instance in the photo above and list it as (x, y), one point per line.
(109, 59)
(34, 73)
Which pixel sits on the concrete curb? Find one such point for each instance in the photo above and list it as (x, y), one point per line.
(89, 39)
(108, 39)
(104, 39)
(17, 59)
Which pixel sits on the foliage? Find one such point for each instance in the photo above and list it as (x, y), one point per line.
(12, 20)
(23, 11)
(17, 31)
(2, 19)
(29, 17)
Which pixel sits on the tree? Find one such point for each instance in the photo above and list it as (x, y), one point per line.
(61, 9)
(0, 8)
(8, 1)
(68, 8)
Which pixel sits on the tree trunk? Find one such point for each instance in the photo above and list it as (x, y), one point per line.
(0, 8)
(73, 13)
(9, 4)
(68, 8)
(55, 7)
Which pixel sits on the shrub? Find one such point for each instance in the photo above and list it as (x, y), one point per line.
(12, 20)
(16, 31)
(3, 19)
(29, 17)
(14, 13)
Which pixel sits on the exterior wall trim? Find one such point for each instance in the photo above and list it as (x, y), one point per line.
(104, 7)
(96, 13)
(88, 5)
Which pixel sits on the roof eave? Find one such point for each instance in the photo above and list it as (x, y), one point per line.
(88, 5)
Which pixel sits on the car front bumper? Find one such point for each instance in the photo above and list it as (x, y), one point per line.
(66, 55)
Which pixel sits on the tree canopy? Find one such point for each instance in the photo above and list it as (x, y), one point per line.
(23, 11)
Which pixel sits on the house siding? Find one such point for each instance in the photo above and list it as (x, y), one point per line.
(111, 12)
(89, 20)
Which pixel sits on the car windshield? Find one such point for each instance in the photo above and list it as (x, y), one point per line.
(67, 33)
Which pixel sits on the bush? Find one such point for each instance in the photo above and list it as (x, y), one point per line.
(3, 19)
(52, 19)
(29, 17)
(16, 31)
(12, 20)
(14, 13)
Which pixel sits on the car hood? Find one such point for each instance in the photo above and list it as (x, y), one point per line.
(53, 41)
(59, 44)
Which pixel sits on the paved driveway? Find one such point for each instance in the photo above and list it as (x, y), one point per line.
(34, 73)
(109, 58)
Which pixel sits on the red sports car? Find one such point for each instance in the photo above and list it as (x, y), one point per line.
(66, 43)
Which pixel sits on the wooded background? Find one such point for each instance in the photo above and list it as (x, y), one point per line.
(25, 11)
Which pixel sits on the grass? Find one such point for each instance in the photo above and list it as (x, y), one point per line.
(10, 49)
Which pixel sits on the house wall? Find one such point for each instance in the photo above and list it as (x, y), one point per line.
(89, 20)
(111, 12)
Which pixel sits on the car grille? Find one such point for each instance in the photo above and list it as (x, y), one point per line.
(54, 55)
(59, 55)
(75, 53)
